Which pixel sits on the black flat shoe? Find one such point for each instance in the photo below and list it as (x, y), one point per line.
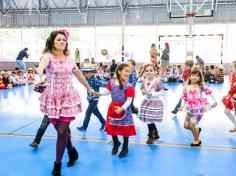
(196, 145)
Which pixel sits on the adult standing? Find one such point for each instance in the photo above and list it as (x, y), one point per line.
(60, 101)
(154, 54)
(93, 64)
(165, 57)
(113, 67)
(19, 59)
(77, 57)
(200, 63)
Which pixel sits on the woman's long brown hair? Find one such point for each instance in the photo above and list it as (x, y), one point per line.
(49, 46)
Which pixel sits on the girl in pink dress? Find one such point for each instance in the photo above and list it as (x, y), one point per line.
(60, 101)
(195, 105)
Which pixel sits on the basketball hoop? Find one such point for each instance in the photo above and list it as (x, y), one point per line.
(191, 14)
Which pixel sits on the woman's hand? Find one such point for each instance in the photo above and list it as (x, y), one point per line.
(96, 94)
(92, 92)
(118, 109)
(181, 108)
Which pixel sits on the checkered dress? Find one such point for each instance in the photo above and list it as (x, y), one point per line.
(151, 109)
(60, 100)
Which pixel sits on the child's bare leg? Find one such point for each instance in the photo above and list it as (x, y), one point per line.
(195, 132)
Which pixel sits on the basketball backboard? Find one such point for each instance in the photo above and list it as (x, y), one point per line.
(179, 8)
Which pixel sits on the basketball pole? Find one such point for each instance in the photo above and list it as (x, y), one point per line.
(190, 40)
(123, 36)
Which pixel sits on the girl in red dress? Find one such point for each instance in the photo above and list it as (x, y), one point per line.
(119, 116)
(229, 100)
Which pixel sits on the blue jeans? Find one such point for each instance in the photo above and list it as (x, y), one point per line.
(21, 65)
(178, 104)
(92, 108)
(42, 129)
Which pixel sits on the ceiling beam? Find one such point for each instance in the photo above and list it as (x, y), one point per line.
(83, 6)
(1, 7)
(77, 6)
(55, 4)
(65, 4)
(46, 4)
(40, 6)
(124, 4)
(7, 7)
(107, 2)
(13, 1)
(216, 5)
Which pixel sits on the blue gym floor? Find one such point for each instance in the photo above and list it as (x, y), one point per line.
(170, 156)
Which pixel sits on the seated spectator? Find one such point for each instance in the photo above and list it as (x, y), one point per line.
(207, 74)
(164, 75)
(212, 74)
(86, 63)
(2, 85)
(219, 74)
(14, 79)
(179, 73)
(172, 73)
(22, 78)
(6, 80)
(17, 70)
(106, 75)
(31, 77)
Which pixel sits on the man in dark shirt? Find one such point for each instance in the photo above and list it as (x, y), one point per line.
(20, 57)
(113, 67)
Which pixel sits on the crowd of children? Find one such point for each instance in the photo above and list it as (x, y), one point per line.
(174, 73)
(9, 79)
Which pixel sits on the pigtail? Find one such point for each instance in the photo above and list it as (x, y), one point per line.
(119, 80)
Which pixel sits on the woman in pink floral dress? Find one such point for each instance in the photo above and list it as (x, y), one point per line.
(60, 101)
